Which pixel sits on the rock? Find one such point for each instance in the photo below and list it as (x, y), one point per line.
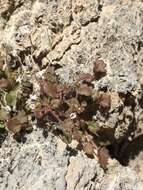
(46, 163)
(71, 35)
(81, 173)
(121, 178)
(36, 164)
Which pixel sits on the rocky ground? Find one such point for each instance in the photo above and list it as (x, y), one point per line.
(71, 35)
(47, 163)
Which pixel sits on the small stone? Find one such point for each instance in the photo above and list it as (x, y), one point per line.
(61, 146)
(103, 156)
(115, 100)
(99, 68)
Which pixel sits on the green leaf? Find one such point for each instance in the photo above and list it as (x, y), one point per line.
(2, 126)
(3, 115)
(67, 138)
(11, 98)
(93, 128)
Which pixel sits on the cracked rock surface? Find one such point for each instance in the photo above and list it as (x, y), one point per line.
(47, 163)
(73, 34)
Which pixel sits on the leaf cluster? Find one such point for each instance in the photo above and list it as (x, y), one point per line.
(68, 109)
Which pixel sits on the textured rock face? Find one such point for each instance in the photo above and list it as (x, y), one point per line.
(38, 164)
(121, 178)
(73, 34)
(47, 163)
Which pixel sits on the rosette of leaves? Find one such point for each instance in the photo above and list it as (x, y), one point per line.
(70, 107)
